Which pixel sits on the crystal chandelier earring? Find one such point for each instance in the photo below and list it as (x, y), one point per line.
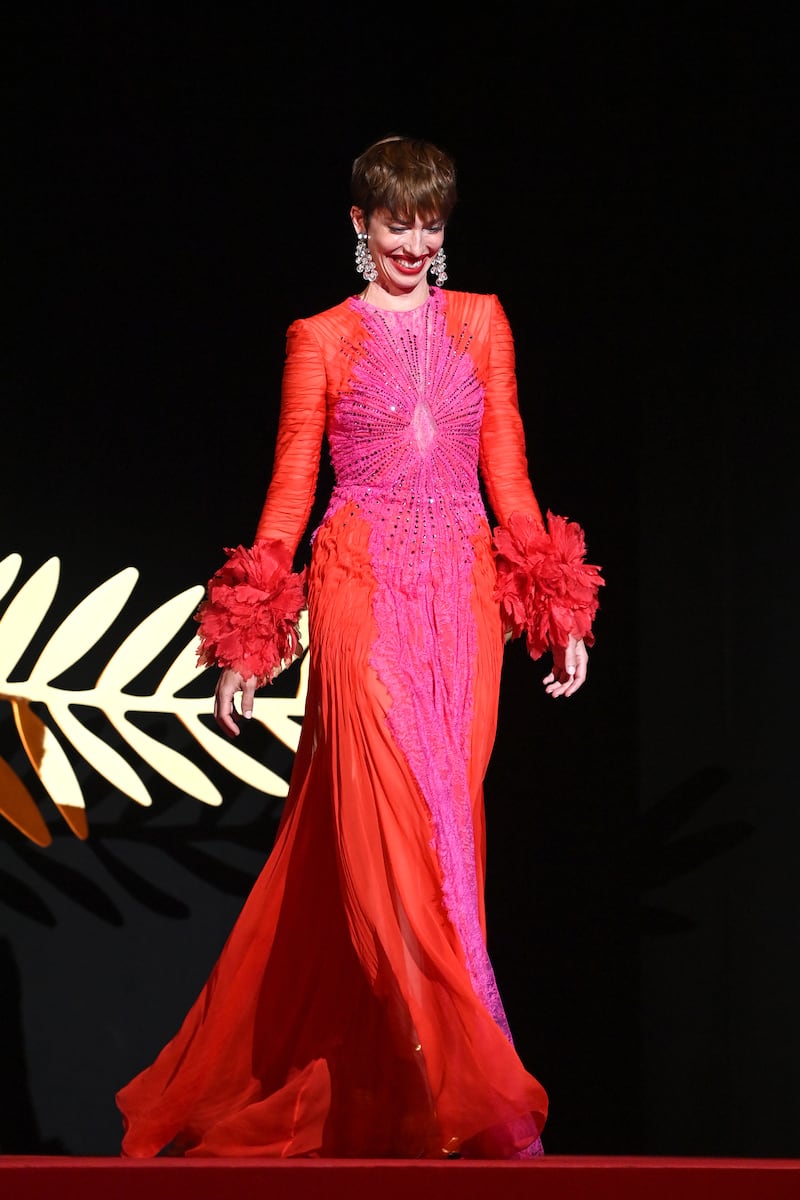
(364, 264)
(437, 267)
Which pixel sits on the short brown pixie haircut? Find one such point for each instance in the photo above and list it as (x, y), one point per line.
(407, 176)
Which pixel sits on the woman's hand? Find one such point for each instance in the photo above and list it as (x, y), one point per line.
(229, 683)
(570, 664)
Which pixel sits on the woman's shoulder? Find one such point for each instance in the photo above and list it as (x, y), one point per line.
(480, 312)
(473, 298)
(330, 322)
(479, 304)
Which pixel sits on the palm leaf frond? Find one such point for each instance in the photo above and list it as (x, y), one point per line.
(68, 644)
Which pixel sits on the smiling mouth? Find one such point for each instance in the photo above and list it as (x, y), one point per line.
(408, 264)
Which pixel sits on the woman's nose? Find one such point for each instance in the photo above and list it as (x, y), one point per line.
(416, 242)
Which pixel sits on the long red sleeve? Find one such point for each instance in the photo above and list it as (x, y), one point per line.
(545, 587)
(290, 496)
(503, 459)
(249, 618)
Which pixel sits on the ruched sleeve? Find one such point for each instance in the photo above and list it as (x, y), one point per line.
(290, 496)
(503, 458)
(249, 618)
(546, 589)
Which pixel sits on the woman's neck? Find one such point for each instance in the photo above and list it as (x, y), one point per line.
(379, 297)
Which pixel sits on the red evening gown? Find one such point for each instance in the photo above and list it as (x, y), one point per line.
(353, 1011)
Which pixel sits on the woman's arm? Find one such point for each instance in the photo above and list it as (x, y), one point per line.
(249, 619)
(290, 496)
(503, 456)
(545, 588)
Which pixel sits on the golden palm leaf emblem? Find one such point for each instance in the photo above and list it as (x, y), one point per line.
(50, 752)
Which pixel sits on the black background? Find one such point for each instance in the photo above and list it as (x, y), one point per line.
(179, 194)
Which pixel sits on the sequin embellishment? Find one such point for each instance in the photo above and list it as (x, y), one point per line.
(404, 441)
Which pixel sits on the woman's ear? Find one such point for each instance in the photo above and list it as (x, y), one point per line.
(357, 217)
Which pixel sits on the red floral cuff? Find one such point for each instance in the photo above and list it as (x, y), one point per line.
(545, 588)
(249, 618)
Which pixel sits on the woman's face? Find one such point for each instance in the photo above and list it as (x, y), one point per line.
(401, 251)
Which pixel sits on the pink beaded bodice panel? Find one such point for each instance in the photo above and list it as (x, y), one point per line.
(406, 430)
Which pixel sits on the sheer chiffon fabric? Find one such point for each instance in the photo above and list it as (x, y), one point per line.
(353, 1011)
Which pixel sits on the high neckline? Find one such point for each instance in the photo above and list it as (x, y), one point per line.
(359, 300)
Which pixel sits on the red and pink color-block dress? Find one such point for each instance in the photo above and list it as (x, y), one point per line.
(354, 1011)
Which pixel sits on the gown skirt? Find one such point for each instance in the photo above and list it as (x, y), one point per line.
(343, 1017)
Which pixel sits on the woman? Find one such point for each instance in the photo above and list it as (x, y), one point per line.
(354, 1011)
